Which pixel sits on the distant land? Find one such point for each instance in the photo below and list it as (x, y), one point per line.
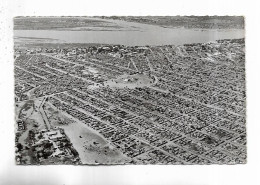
(70, 23)
(59, 23)
(206, 22)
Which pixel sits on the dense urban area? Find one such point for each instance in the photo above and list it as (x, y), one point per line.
(116, 104)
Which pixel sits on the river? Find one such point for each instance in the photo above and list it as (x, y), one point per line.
(132, 34)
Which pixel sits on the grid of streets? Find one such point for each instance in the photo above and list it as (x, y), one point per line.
(192, 111)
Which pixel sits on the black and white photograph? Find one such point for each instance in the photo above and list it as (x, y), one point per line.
(130, 90)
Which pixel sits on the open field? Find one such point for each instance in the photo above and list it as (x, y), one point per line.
(92, 147)
(130, 81)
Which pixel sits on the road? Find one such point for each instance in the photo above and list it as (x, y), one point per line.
(43, 114)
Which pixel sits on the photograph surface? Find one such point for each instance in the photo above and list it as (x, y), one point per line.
(130, 90)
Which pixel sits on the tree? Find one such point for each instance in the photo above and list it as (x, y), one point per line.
(19, 146)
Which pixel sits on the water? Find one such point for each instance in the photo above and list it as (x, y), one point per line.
(134, 34)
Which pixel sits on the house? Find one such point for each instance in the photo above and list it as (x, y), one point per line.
(20, 125)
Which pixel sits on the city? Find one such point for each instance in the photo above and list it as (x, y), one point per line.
(117, 104)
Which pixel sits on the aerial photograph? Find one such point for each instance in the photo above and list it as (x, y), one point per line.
(130, 90)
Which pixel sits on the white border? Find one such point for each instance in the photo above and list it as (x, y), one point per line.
(179, 175)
